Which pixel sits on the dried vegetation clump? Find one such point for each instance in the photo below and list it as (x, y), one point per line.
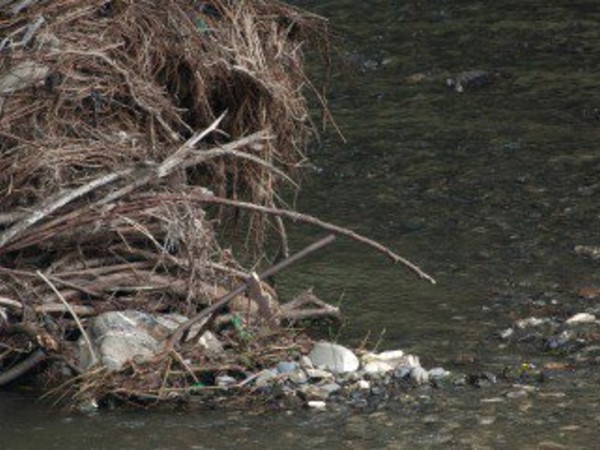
(121, 123)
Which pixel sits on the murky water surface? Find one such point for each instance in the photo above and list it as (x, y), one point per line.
(488, 191)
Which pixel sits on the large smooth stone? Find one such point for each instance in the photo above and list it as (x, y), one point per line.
(333, 357)
(120, 337)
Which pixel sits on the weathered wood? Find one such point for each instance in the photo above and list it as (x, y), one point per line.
(175, 337)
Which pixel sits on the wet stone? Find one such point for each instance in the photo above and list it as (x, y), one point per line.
(330, 388)
(507, 333)
(483, 379)
(225, 380)
(518, 394)
(460, 380)
(305, 362)
(286, 367)
(318, 374)
(438, 373)
(581, 318)
(402, 373)
(309, 392)
(363, 384)
(377, 390)
(297, 377)
(266, 378)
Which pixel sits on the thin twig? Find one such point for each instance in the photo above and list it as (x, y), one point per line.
(299, 217)
(22, 367)
(74, 315)
(51, 205)
(242, 287)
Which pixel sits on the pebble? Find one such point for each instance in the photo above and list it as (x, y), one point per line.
(521, 393)
(592, 251)
(505, 334)
(377, 390)
(317, 404)
(402, 372)
(531, 322)
(225, 380)
(385, 361)
(318, 374)
(265, 378)
(306, 363)
(492, 400)
(549, 445)
(297, 377)
(438, 372)
(581, 318)
(286, 367)
(88, 405)
(310, 392)
(363, 384)
(460, 380)
(330, 388)
(486, 420)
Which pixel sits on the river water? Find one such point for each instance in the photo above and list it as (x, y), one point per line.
(488, 190)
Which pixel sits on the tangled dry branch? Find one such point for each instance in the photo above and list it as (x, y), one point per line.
(119, 122)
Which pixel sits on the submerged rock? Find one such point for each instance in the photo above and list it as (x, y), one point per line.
(333, 357)
(470, 79)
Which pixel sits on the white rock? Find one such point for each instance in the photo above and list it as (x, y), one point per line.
(530, 322)
(419, 375)
(386, 361)
(505, 334)
(581, 318)
(390, 355)
(334, 357)
(412, 361)
(317, 404)
(438, 373)
(318, 374)
(225, 380)
(363, 384)
(377, 367)
(120, 337)
(211, 343)
(265, 378)
(306, 363)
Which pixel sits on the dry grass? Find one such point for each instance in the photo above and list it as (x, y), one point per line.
(107, 104)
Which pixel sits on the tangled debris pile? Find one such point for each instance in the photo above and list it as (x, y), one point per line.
(111, 276)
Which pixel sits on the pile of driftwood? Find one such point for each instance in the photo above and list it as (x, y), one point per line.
(131, 133)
